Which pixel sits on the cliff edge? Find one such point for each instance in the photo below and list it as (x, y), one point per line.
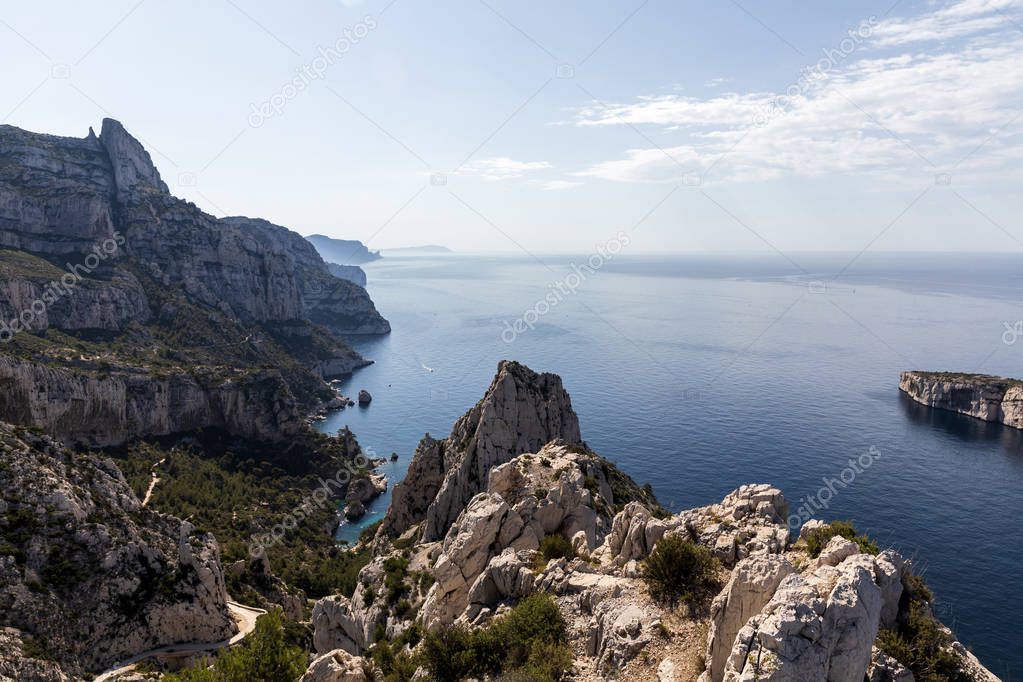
(991, 398)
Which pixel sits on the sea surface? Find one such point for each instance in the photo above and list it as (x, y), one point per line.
(697, 374)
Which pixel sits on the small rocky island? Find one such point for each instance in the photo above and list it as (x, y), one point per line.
(991, 398)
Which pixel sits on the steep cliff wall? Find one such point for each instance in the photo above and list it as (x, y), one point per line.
(100, 410)
(60, 197)
(993, 399)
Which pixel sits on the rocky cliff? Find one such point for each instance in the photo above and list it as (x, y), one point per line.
(521, 411)
(102, 269)
(100, 410)
(87, 575)
(342, 251)
(993, 399)
(353, 273)
(840, 611)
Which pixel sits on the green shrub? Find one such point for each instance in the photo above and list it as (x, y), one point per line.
(680, 570)
(265, 655)
(395, 571)
(918, 641)
(818, 539)
(33, 648)
(553, 547)
(530, 642)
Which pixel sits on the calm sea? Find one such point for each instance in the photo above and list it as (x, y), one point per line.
(700, 373)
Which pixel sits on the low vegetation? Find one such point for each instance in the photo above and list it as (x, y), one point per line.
(679, 570)
(235, 492)
(918, 641)
(266, 655)
(552, 547)
(818, 539)
(529, 643)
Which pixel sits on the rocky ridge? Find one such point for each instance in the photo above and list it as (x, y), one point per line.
(993, 399)
(89, 575)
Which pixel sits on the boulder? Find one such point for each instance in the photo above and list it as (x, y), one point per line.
(751, 586)
(364, 397)
(336, 666)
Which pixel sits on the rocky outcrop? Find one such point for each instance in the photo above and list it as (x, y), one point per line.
(993, 399)
(32, 293)
(108, 410)
(89, 574)
(520, 413)
(336, 666)
(486, 553)
(343, 251)
(752, 585)
(352, 273)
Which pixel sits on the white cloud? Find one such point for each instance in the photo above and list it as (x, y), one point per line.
(502, 168)
(899, 102)
(560, 184)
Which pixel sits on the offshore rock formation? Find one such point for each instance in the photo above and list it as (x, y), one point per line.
(86, 572)
(521, 412)
(993, 399)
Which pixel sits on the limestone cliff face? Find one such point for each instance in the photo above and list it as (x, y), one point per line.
(353, 273)
(60, 197)
(199, 294)
(111, 409)
(87, 572)
(993, 399)
(521, 412)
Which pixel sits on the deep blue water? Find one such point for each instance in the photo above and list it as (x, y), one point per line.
(698, 374)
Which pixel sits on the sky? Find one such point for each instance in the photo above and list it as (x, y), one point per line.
(493, 125)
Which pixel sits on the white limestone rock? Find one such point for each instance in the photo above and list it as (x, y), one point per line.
(336, 666)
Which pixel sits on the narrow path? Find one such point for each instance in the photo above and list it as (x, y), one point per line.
(153, 482)
(244, 616)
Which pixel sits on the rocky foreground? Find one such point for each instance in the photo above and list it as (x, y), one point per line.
(784, 612)
(511, 506)
(993, 399)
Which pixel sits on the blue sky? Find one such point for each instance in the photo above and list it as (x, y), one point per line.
(497, 125)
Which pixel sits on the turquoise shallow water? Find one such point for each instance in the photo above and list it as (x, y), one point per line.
(698, 374)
